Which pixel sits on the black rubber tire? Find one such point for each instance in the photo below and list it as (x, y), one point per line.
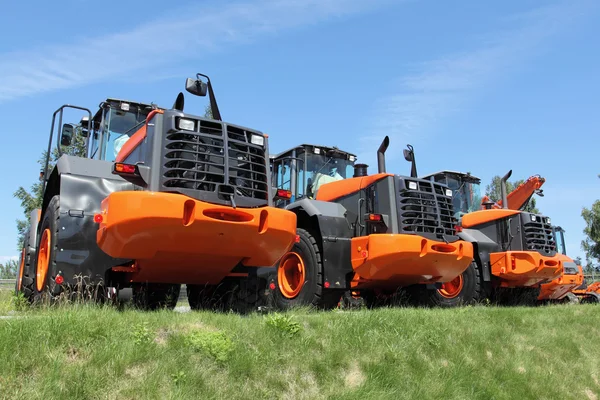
(27, 281)
(519, 296)
(348, 301)
(50, 220)
(471, 292)
(312, 293)
(154, 296)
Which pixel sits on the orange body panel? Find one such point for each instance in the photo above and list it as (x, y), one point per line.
(524, 268)
(559, 287)
(482, 216)
(135, 139)
(176, 239)
(594, 287)
(334, 190)
(394, 260)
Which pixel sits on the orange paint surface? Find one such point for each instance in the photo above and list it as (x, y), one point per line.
(482, 216)
(529, 268)
(176, 239)
(394, 260)
(559, 287)
(334, 190)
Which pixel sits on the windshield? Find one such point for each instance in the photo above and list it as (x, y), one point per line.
(321, 169)
(119, 127)
(560, 242)
(466, 196)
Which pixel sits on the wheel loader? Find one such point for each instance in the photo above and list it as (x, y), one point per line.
(163, 197)
(515, 251)
(560, 290)
(366, 233)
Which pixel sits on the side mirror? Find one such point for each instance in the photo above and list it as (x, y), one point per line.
(84, 126)
(196, 87)
(66, 136)
(408, 155)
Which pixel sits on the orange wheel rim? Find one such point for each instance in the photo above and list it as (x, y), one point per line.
(21, 268)
(43, 260)
(291, 275)
(453, 288)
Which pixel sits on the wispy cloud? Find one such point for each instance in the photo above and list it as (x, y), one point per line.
(443, 86)
(162, 43)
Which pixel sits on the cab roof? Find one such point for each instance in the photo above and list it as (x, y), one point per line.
(447, 172)
(310, 147)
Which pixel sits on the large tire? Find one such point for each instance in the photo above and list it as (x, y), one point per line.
(154, 296)
(300, 277)
(464, 290)
(24, 281)
(518, 296)
(44, 267)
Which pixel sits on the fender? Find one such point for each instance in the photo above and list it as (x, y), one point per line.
(327, 221)
(81, 194)
(482, 247)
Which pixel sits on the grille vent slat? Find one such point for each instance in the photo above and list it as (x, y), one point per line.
(426, 210)
(539, 236)
(214, 156)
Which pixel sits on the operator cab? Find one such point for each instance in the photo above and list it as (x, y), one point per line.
(300, 172)
(114, 123)
(466, 192)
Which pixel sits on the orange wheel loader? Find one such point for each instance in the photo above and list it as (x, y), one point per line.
(368, 234)
(560, 290)
(163, 198)
(515, 251)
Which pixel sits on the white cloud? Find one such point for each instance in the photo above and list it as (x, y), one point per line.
(162, 42)
(444, 85)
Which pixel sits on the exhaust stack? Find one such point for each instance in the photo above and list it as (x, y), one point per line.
(503, 188)
(381, 154)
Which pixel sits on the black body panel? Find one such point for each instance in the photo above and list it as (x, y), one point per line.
(80, 198)
(425, 211)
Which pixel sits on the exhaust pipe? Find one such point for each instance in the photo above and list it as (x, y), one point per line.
(503, 188)
(381, 154)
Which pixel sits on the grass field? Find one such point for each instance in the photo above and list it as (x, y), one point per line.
(468, 353)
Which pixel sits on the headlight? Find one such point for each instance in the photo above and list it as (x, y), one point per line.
(548, 220)
(533, 218)
(351, 158)
(412, 185)
(257, 140)
(317, 151)
(186, 124)
(449, 192)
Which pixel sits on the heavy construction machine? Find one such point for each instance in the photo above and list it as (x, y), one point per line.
(560, 289)
(515, 251)
(162, 198)
(520, 196)
(370, 234)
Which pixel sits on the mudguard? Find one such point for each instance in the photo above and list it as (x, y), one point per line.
(482, 247)
(328, 220)
(82, 185)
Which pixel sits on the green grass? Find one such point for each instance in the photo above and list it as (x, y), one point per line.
(468, 353)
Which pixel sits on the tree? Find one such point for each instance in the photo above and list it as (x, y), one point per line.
(31, 200)
(9, 269)
(493, 192)
(591, 242)
(208, 112)
(578, 261)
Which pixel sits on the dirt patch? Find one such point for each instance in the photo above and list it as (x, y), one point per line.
(521, 370)
(488, 354)
(161, 336)
(590, 395)
(354, 377)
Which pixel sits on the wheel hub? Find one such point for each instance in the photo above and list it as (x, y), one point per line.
(291, 275)
(453, 288)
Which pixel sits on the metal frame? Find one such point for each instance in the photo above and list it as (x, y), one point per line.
(60, 153)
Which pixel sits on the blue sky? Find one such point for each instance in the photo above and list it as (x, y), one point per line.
(474, 86)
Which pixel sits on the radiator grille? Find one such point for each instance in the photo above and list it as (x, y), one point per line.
(538, 235)
(426, 210)
(215, 158)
